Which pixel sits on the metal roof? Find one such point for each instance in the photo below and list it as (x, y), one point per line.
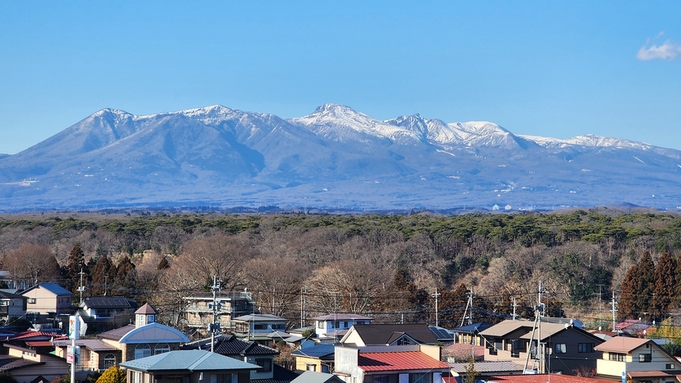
(388, 333)
(109, 303)
(154, 333)
(399, 361)
(188, 360)
(341, 317)
(51, 287)
(231, 345)
(316, 377)
(319, 351)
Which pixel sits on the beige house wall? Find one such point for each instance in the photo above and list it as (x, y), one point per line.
(46, 301)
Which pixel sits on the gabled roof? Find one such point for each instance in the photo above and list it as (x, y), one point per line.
(488, 367)
(399, 361)
(622, 344)
(105, 302)
(154, 333)
(7, 295)
(51, 287)
(230, 345)
(316, 377)
(188, 360)
(341, 317)
(388, 333)
(506, 327)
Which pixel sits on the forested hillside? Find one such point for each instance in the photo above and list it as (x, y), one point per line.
(384, 266)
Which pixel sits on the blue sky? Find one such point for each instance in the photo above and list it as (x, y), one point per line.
(547, 68)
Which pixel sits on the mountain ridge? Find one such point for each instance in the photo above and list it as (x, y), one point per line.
(334, 157)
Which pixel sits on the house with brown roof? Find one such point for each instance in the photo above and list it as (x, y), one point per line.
(563, 348)
(26, 364)
(641, 360)
(390, 364)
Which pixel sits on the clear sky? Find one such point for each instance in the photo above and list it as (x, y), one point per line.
(548, 68)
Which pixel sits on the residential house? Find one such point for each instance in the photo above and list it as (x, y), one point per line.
(103, 313)
(198, 312)
(249, 352)
(468, 334)
(319, 358)
(334, 326)
(564, 348)
(134, 341)
(642, 360)
(361, 335)
(48, 299)
(390, 364)
(27, 365)
(95, 355)
(486, 370)
(256, 327)
(38, 341)
(188, 366)
(11, 306)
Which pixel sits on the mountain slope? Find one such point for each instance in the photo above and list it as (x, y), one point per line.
(334, 157)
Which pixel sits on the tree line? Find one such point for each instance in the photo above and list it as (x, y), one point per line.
(384, 266)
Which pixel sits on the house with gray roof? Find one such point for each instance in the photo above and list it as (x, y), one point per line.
(334, 326)
(317, 377)
(11, 306)
(389, 334)
(48, 299)
(190, 366)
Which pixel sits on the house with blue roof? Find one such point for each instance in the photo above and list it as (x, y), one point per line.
(188, 366)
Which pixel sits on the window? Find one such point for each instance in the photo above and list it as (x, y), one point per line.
(259, 327)
(150, 319)
(142, 350)
(311, 367)
(669, 366)
(560, 348)
(320, 325)
(644, 358)
(585, 347)
(136, 376)
(31, 300)
(265, 363)
(109, 360)
(161, 348)
(423, 377)
(616, 357)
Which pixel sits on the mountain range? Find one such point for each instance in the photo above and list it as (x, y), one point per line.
(335, 158)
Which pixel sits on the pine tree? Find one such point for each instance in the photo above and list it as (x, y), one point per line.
(125, 277)
(664, 286)
(646, 268)
(627, 305)
(638, 287)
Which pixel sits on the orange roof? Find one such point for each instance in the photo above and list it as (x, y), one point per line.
(398, 361)
(543, 378)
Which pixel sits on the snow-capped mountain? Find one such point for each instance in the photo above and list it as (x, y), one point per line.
(335, 157)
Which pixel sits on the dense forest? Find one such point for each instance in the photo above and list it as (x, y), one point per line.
(385, 266)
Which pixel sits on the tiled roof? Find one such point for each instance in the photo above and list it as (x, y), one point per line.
(37, 335)
(398, 361)
(621, 344)
(461, 349)
(316, 377)
(39, 343)
(9, 363)
(386, 333)
(230, 345)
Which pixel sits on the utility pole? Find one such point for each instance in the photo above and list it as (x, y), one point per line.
(215, 326)
(436, 295)
(105, 284)
(514, 307)
(81, 288)
(614, 311)
(469, 305)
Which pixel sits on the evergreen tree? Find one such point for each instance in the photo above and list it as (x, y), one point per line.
(627, 305)
(125, 277)
(647, 284)
(664, 285)
(102, 274)
(74, 265)
(638, 287)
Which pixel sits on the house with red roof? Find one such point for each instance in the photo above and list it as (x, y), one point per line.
(641, 360)
(390, 364)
